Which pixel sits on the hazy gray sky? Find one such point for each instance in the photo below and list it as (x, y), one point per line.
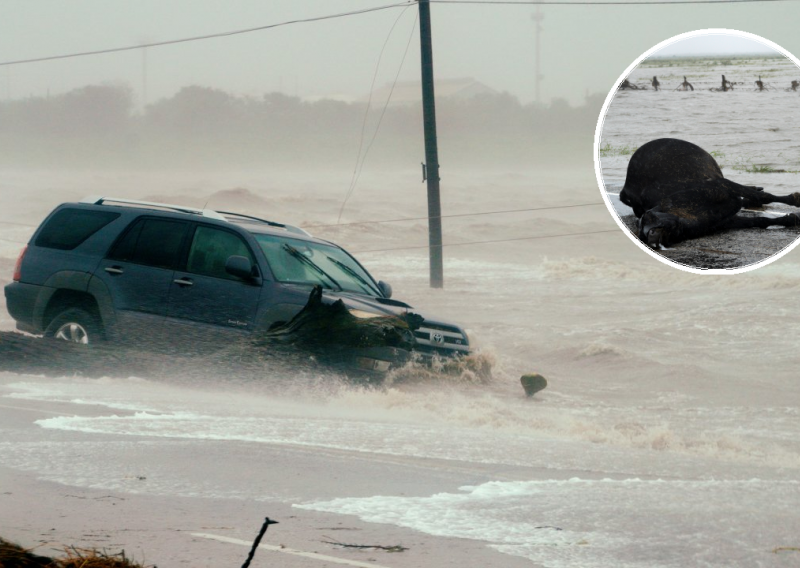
(584, 48)
(715, 44)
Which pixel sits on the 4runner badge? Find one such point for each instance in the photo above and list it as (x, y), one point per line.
(438, 338)
(237, 323)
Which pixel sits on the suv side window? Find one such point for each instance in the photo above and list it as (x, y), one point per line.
(152, 242)
(210, 250)
(68, 227)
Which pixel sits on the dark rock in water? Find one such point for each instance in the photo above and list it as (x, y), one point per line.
(533, 383)
(679, 192)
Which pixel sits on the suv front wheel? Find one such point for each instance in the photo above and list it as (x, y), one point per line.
(75, 325)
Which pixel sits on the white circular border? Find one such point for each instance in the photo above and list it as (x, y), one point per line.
(599, 173)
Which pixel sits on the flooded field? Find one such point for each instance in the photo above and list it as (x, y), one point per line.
(750, 133)
(669, 434)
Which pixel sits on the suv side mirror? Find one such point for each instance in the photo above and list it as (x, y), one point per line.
(385, 288)
(240, 267)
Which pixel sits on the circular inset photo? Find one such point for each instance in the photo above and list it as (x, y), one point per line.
(697, 151)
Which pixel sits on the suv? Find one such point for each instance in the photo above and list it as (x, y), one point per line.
(121, 270)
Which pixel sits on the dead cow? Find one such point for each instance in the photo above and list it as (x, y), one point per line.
(678, 191)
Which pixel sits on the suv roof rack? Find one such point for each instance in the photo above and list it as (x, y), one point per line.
(96, 200)
(246, 218)
(210, 213)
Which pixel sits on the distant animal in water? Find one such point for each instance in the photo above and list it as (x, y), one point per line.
(760, 84)
(655, 83)
(794, 86)
(678, 192)
(726, 85)
(628, 86)
(685, 86)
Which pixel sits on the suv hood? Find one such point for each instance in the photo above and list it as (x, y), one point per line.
(389, 307)
(369, 304)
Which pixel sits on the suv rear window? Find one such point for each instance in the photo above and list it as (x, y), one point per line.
(68, 228)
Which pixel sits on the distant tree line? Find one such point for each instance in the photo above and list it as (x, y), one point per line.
(96, 126)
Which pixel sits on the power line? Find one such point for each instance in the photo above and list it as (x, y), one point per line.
(597, 3)
(400, 220)
(209, 36)
(376, 9)
(495, 241)
(380, 118)
(491, 242)
(359, 160)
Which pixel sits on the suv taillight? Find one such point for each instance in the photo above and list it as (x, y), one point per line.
(18, 266)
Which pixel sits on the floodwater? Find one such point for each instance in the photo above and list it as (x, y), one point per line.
(669, 434)
(751, 133)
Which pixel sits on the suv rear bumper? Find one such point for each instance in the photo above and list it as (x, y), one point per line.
(20, 303)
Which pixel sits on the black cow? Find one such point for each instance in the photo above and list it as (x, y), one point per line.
(678, 191)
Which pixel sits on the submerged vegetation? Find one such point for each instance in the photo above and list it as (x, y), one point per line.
(607, 150)
(740, 164)
(708, 61)
(748, 165)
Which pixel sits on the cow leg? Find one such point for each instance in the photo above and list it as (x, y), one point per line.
(792, 199)
(738, 222)
(757, 197)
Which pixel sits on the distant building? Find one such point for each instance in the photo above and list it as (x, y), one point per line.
(410, 92)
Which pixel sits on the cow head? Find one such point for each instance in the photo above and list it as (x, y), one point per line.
(658, 228)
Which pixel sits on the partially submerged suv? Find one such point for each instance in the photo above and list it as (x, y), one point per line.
(122, 270)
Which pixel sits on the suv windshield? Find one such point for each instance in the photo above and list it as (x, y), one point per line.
(307, 262)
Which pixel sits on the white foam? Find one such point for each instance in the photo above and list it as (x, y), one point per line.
(597, 523)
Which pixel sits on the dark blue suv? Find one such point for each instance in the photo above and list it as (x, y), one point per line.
(121, 270)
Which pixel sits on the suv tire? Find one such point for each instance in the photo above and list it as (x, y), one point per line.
(75, 325)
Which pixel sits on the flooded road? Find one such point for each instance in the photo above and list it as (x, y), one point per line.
(668, 434)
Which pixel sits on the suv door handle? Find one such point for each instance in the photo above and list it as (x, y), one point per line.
(183, 281)
(114, 270)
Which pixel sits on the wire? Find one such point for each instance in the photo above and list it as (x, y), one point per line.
(386, 105)
(210, 36)
(359, 160)
(598, 3)
(453, 215)
(376, 9)
(490, 242)
(405, 219)
(380, 118)
(380, 121)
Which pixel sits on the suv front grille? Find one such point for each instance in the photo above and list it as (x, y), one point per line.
(442, 338)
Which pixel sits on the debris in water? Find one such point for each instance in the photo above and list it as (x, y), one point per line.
(394, 548)
(12, 555)
(264, 527)
(533, 383)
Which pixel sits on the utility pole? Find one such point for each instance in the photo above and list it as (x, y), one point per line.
(538, 17)
(431, 166)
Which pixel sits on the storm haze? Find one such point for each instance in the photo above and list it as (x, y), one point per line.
(583, 48)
